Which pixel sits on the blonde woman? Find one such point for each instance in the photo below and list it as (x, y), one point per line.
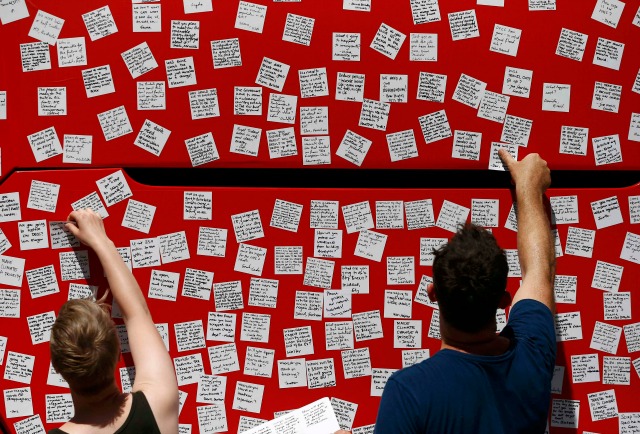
(85, 349)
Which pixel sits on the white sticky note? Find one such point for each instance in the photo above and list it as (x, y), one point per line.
(99, 23)
(46, 27)
(463, 25)
(556, 97)
(388, 41)
(608, 53)
(45, 144)
(13, 11)
(35, 56)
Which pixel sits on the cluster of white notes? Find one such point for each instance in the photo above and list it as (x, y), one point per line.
(237, 318)
(313, 141)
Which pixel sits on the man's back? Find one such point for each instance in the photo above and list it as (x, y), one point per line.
(456, 392)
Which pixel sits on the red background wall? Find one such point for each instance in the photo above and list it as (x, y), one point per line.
(540, 33)
(229, 201)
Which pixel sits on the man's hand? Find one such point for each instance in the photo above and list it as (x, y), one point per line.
(342, 432)
(530, 175)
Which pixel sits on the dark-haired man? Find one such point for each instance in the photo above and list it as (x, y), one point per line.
(482, 382)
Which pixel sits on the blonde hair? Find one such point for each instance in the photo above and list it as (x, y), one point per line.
(84, 345)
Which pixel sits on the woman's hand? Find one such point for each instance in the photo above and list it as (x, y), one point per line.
(87, 226)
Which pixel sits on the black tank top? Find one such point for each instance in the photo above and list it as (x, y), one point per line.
(140, 419)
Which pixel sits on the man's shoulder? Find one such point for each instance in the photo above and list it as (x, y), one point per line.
(423, 371)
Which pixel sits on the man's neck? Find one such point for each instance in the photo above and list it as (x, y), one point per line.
(484, 342)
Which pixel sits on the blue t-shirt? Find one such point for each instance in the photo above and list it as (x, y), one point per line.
(455, 392)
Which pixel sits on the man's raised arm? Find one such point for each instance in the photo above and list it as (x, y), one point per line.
(532, 177)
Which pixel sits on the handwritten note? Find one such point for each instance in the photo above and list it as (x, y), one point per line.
(272, 74)
(505, 40)
(45, 144)
(35, 56)
(18, 403)
(568, 326)
(603, 405)
(212, 242)
(313, 82)
(180, 72)
(346, 47)
(432, 87)
(308, 305)
(367, 325)
(189, 335)
(321, 373)
(356, 363)
(517, 82)
(606, 337)
(631, 248)
(606, 149)
(139, 60)
(292, 373)
(204, 104)
(574, 140)
(338, 335)
(247, 226)
(282, 108)
(388, 41)
(350, 87)
(40, 326)
(585, 368)
(542, 5)
(98, 81)
(223, 359)
(354, 148)
(99, 23)
(42, 281)
(185, 34)
(423, 47)
(11, 11)
(197, 284)
(282, 142)
(198, 205)
(298, 341)
(228, 296)
(608, 12)
(608, 53)
(298, 29)
(255, 327)
(226, 53)
(463, 25)
(212, 418)
(151, 95)
(250, 17)
(356, 5)
(407, 334)
(221, 327)
(46, 27)
(606, 97)
(565, 412)
(493, 106)
(211, 389)
(571, 44)
(370, 245)
(189, 368)
(152, 137)
(72, 52)
(147, 18)
(196, 6)
(250, 259)
(115, 123)
(19, 367)
(245, 140)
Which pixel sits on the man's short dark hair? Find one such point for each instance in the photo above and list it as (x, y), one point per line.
(470, 277)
